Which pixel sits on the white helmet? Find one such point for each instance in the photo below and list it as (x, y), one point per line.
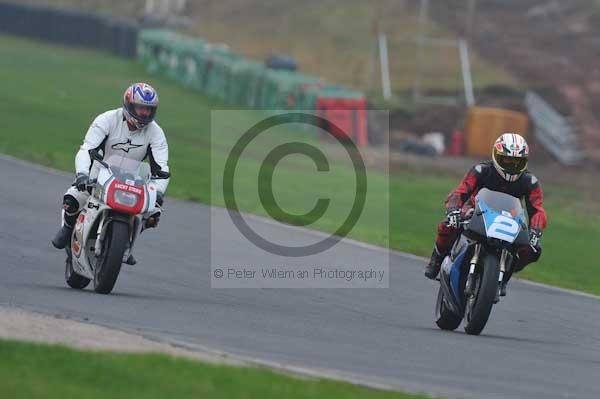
(510, 155)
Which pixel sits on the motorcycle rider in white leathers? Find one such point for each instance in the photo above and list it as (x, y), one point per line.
(130, 131)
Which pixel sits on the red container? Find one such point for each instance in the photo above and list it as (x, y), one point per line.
(457, 144)
(347, 117)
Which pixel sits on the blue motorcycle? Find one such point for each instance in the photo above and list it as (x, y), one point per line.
(471, 276)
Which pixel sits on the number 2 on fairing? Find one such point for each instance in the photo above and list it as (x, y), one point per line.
(504, 228)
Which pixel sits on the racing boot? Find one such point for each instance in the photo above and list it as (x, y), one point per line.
(130, 260)
(62, 236)
(69, 217)
(435, 263)
(503, 288)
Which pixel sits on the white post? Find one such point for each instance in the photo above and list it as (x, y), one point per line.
(422, 33)
(165, 8)
(385, 69)
(466, 72)
(373, 42)
(180, 6)
(150, 6)
(371, 68)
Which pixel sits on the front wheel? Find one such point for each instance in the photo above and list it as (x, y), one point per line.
(444, 318)
(108, 265)
(479, 306)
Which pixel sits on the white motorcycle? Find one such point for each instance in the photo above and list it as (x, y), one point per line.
(123, 197)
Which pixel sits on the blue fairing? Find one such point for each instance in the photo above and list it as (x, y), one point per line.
(455, 276)
(500, 223)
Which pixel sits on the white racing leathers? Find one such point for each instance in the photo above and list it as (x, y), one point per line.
(110, 134)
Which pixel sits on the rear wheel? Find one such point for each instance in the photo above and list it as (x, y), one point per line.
(445, 319)
(108, 265)
(479, 306)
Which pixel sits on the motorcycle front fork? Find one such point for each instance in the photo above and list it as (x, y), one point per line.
(471, 276)
(504, 258)
(101, 233)
(503, 262)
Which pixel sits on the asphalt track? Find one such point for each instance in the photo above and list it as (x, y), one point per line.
(539, 343)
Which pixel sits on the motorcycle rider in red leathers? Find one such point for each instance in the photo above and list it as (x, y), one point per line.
(506, 172)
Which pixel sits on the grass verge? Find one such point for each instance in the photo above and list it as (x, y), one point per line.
(50, 95)
(48, 371)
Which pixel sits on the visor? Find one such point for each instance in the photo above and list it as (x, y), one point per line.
(513, 165)
(139, 114)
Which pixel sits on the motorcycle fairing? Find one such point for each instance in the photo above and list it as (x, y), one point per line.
(84, 227)
(499, 224)
(450, 280)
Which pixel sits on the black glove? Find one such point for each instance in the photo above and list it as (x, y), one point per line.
(453, 217)
(534, 238)
(159, 198)
(81, 181)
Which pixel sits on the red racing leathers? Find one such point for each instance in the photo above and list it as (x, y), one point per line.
(527, 187)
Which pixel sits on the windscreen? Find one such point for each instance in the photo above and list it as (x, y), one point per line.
(129, 170)
(501, 202)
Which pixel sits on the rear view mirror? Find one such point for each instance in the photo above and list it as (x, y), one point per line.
(95, 155)
(162, 175)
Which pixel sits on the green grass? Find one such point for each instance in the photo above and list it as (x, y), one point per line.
(44, 371)
(50, 94)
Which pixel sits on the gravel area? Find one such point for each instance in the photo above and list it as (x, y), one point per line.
(27, 326)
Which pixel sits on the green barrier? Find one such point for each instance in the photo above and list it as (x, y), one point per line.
(216, 71)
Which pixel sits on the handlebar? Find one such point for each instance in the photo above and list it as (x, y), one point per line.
(462, 223)
(161, 175)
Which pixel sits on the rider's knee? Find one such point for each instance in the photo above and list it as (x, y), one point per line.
(152, 220)
(445, 230)
(70, 204)
(527, 255)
